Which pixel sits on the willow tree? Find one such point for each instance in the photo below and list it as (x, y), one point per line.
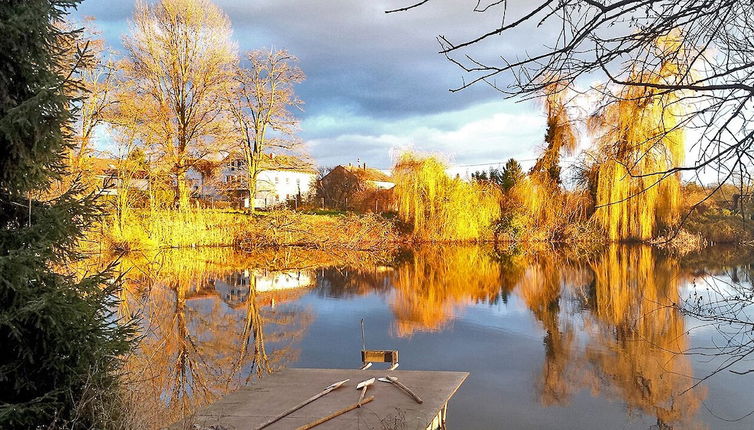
(560, 137)
(439, 207)
(641, 142)
(539, 195)
(180, 58)
(260, 105)
(572, 40)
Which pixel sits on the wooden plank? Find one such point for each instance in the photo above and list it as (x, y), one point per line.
(273, 394)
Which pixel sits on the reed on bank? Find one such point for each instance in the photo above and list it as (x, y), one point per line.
(207, 227)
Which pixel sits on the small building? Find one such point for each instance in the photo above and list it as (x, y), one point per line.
(356, 187)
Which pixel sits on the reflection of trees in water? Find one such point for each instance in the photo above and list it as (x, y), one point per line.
(609, 321)
(639, 337)
(426, 286)
(634, 336)
(435, 282)
(541, 287)
(197, 346)
(343, 282)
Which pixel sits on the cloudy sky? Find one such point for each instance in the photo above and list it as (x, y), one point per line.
(375, 82)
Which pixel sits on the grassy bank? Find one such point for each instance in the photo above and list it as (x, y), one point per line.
(141, 230)
(146, 230)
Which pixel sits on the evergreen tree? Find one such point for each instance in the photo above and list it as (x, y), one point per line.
(480, 176)
(59, 338)
(512, 173)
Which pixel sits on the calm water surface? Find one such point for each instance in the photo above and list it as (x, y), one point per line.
(625, 337)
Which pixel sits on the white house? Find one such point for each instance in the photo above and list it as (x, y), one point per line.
(282, 179)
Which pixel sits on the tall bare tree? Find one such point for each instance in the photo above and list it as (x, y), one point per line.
(261, 105)
(180, 59)
(94, 95)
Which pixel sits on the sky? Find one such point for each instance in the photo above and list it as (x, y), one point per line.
(376, 84)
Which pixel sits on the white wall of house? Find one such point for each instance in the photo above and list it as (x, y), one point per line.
(278, 186)
(286, 280)
(197, 182)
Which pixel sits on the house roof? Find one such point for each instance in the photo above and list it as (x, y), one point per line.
(281, 162)
(368, 174)
(288, 162)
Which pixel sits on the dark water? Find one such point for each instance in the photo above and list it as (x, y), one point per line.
(625, 337)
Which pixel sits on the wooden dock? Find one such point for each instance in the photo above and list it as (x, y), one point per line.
(250, 407)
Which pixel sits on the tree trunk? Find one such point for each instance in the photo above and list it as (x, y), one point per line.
(183, 191)
(251, 180)
(252, 192)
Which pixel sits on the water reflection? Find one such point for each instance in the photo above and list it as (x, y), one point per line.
(434, 284)
(209, 326)
(608, 321)
(636, 352)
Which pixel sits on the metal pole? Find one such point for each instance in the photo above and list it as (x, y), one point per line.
(363, 343)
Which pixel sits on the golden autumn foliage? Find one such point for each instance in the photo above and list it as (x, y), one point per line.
(441, 208)
(561, 136)
(638, 139)
(537, 207)
(436, 282)
(180, 56)
(635, 337)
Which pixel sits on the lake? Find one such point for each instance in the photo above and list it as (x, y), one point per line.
(621, 337)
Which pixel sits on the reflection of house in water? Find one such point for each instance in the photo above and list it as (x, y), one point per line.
(234, 289)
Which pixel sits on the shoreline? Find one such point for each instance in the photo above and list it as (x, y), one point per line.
(206, 228)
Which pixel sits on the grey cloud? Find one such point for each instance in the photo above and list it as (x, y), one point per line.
(355, 55)
(371, 76)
